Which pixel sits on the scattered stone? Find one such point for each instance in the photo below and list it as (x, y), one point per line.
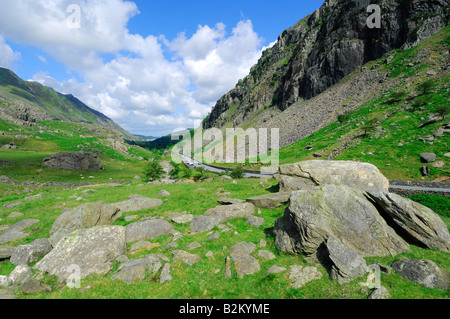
(142, 245)
(12, 205)
(265, 254)
(132, 270)
(171, 245)
(262, 243)
(425, 170)
(275, 270)
(183, 219)
(420, 223)
(241, 210)
(4, 178)
(6, 252)
(270, 200)
(439, 164)
(214, 236)
(256, 221)
(137, 203)
(225, 178)
(228, 267)
(428, 157)
(15, 215)
(209, 254)
(93, 250)
(165, 274)
(243, 262)
(187, 258)
(29, 253)
(4, 281)
(422, 272)
(33, 286)
(16, 231)
(203, 223)
(300, 276)
(130, 218)
(193, 246)
(379, 293)
(229, 201)
(148, 229)
(164, 193)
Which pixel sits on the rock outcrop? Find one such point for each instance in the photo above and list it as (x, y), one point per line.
(87, 161)
(423, 272)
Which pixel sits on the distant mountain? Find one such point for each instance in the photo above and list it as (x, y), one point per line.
(26, 103)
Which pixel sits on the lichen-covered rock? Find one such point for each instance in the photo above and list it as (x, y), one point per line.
(148, 229)
(93, 250)
(423, 272)
(240, 210)
(316, 214)
(87, 161)
(137, 203)
(270, 200)
(29, 253)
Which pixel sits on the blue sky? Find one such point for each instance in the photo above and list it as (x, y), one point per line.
(152, 66)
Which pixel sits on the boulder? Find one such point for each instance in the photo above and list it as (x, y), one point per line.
(33, 286)
(229, 201)
(137, 203)
(242, 210)
(164, 193)
(29, 253)
(187, 258)
(300, 276)
(148, 229)
(6, 252)
(136, 269)
(256, 221)
(270, 200)
(84, 216)
(428, 157)
(165, 274)
(423, 272)
(203, 223)
(20, 274)
(87, 161)
(422, 226)
(316, 214)
(379, 294)
(347, 265)
(362, 176)
(244, 263)
(93, 250)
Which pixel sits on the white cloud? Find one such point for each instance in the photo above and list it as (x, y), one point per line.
(7, 56)
(136, 85)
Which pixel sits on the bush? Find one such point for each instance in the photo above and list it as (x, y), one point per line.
(426, 87)
(153, 171)
(237, 172)
(200, 174)
(343, 118)
(396, 97)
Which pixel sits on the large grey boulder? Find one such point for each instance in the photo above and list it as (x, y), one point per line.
(316, 214)
(93, 250)
(244, 210)
(87, 161)
(422, 272)
(137, 203)
(6, 252)
(148, 229)
(362, 176)
(422, 225)
(16, 231)
(29, 253)
(428, 157)
(270, 200)
(20, 274)
(84, 216)
(347, 265)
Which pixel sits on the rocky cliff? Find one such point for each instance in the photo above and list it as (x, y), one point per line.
(317, 53)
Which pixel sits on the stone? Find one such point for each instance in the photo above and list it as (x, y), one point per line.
(242, 248)
(379, 294)
(165, 274)
(423, 272)
(256, 221)
(242, 210)
(6, 252)
(12, 205)
(171, 245)
(193, 246)
(15, 215)
(20, 274)
(164, 193)
(187, 258)
(33, 286)
(29, 253)
(183, 219)
(229, 201)
(130, 218)
(132, 271)
(137, 203)
(228, 267)
(148, 229)
(300, 276)
(16, 231)
(214, 236)
(422, 226)
(141, 246)
(270, 200)
(243, 262)
(425, 170)
(87, 161)
(275, 270)
(438, 164)
(93, 250)
(362, 176)
(347, 264)
(318, 213)
(266, 255)
(428, 157)
(203, 223)
(82, 217)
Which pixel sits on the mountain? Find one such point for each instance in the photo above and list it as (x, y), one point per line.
(27, 103)
(314, 71)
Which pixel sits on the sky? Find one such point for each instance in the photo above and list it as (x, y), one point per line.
(153, 67)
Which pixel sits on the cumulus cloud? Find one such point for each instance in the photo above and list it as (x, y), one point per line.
(127, 76)
(7, 56)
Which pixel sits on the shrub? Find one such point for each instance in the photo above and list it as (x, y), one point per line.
(396, 97)
(153, 171)
(344, 117)
(237, 172)
(426, 87)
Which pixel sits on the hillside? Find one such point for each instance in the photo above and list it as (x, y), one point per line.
(318, 53)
